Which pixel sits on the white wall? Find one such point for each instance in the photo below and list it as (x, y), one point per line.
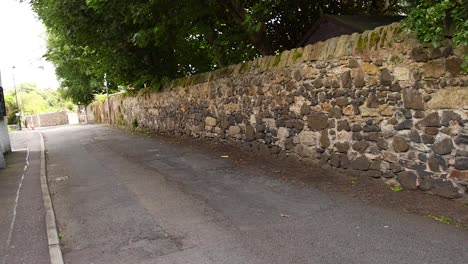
(4, 141)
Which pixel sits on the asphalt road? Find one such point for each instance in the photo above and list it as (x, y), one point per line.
(23, 237)
(122, 198)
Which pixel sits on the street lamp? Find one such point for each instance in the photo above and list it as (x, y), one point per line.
(17, 102)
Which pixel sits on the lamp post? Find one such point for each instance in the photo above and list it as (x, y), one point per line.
(17, 101)
(108, 100)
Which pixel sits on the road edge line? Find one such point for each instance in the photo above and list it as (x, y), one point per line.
(52, 235)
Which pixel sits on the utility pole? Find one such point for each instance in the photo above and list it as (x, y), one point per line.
(17, 101)
(108, 101)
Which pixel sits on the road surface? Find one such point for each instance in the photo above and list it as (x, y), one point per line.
(123, 198)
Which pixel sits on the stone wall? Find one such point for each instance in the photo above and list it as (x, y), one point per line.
(48, 119)
(377, 103)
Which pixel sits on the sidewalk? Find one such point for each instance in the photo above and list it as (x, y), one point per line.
(23, 237)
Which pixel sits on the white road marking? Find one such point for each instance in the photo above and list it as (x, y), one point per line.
(12, 224)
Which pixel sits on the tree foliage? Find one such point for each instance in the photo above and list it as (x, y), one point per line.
(435, 20)
(33, 101)
(142, 43)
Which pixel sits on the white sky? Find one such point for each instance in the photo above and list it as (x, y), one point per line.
(22, 44)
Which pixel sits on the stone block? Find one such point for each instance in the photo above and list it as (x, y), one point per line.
(317, 121)
(408, 179)
(461, 163)
(434, 69)
(210, 121)
(360, 163)
(445, 188)
(386, 78)
(455, 97)
(419, 54)
(399, 144)
(234, 132)
(443, 147)
(346, 80)
(412, 99)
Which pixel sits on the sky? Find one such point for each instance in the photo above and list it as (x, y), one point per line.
(23, 44)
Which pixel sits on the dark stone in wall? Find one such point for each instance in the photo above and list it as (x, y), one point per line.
(371, 128)
(396, 168)
(448, 116)
(444, 188)
(382, 143)
(342, 101)
(360, 163)
(305, 109)
(400, 144)
(318, 83)
(406, 124)
(334, 112)
(324, 140)
(461, 163)
(344, 161)
(412, 99)
(346, 79)
(359, 80)
(436, 162)
(343, 125)
(454, 66)
(249, 133)
(335, 160)
(288, 144)
(427, 139)
(361, 146)
(460, 152)
(356, 128)
(419, 114)
(461, 139)
(431, 120)
(396, 88)
(408, 179)
(386, 77)
(342, 147)
(443, 147)
(373, 136)
(425, 184)
(353, 63)
(431, 131)
(357, 136)
(372, 101)
(419, 54)
(317, 121)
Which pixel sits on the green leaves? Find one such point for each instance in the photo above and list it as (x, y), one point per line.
(145, 43)
(434, 20)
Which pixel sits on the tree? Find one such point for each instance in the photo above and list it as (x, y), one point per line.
(435, 20)
(33, 101)
(146, 43)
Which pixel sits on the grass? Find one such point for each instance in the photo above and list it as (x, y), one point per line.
(396, 188)
(354, 181)
(277, 60)
(448, 221)
(443, 219)
(297, 55)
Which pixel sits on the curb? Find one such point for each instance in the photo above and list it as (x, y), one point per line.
(52, 235)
